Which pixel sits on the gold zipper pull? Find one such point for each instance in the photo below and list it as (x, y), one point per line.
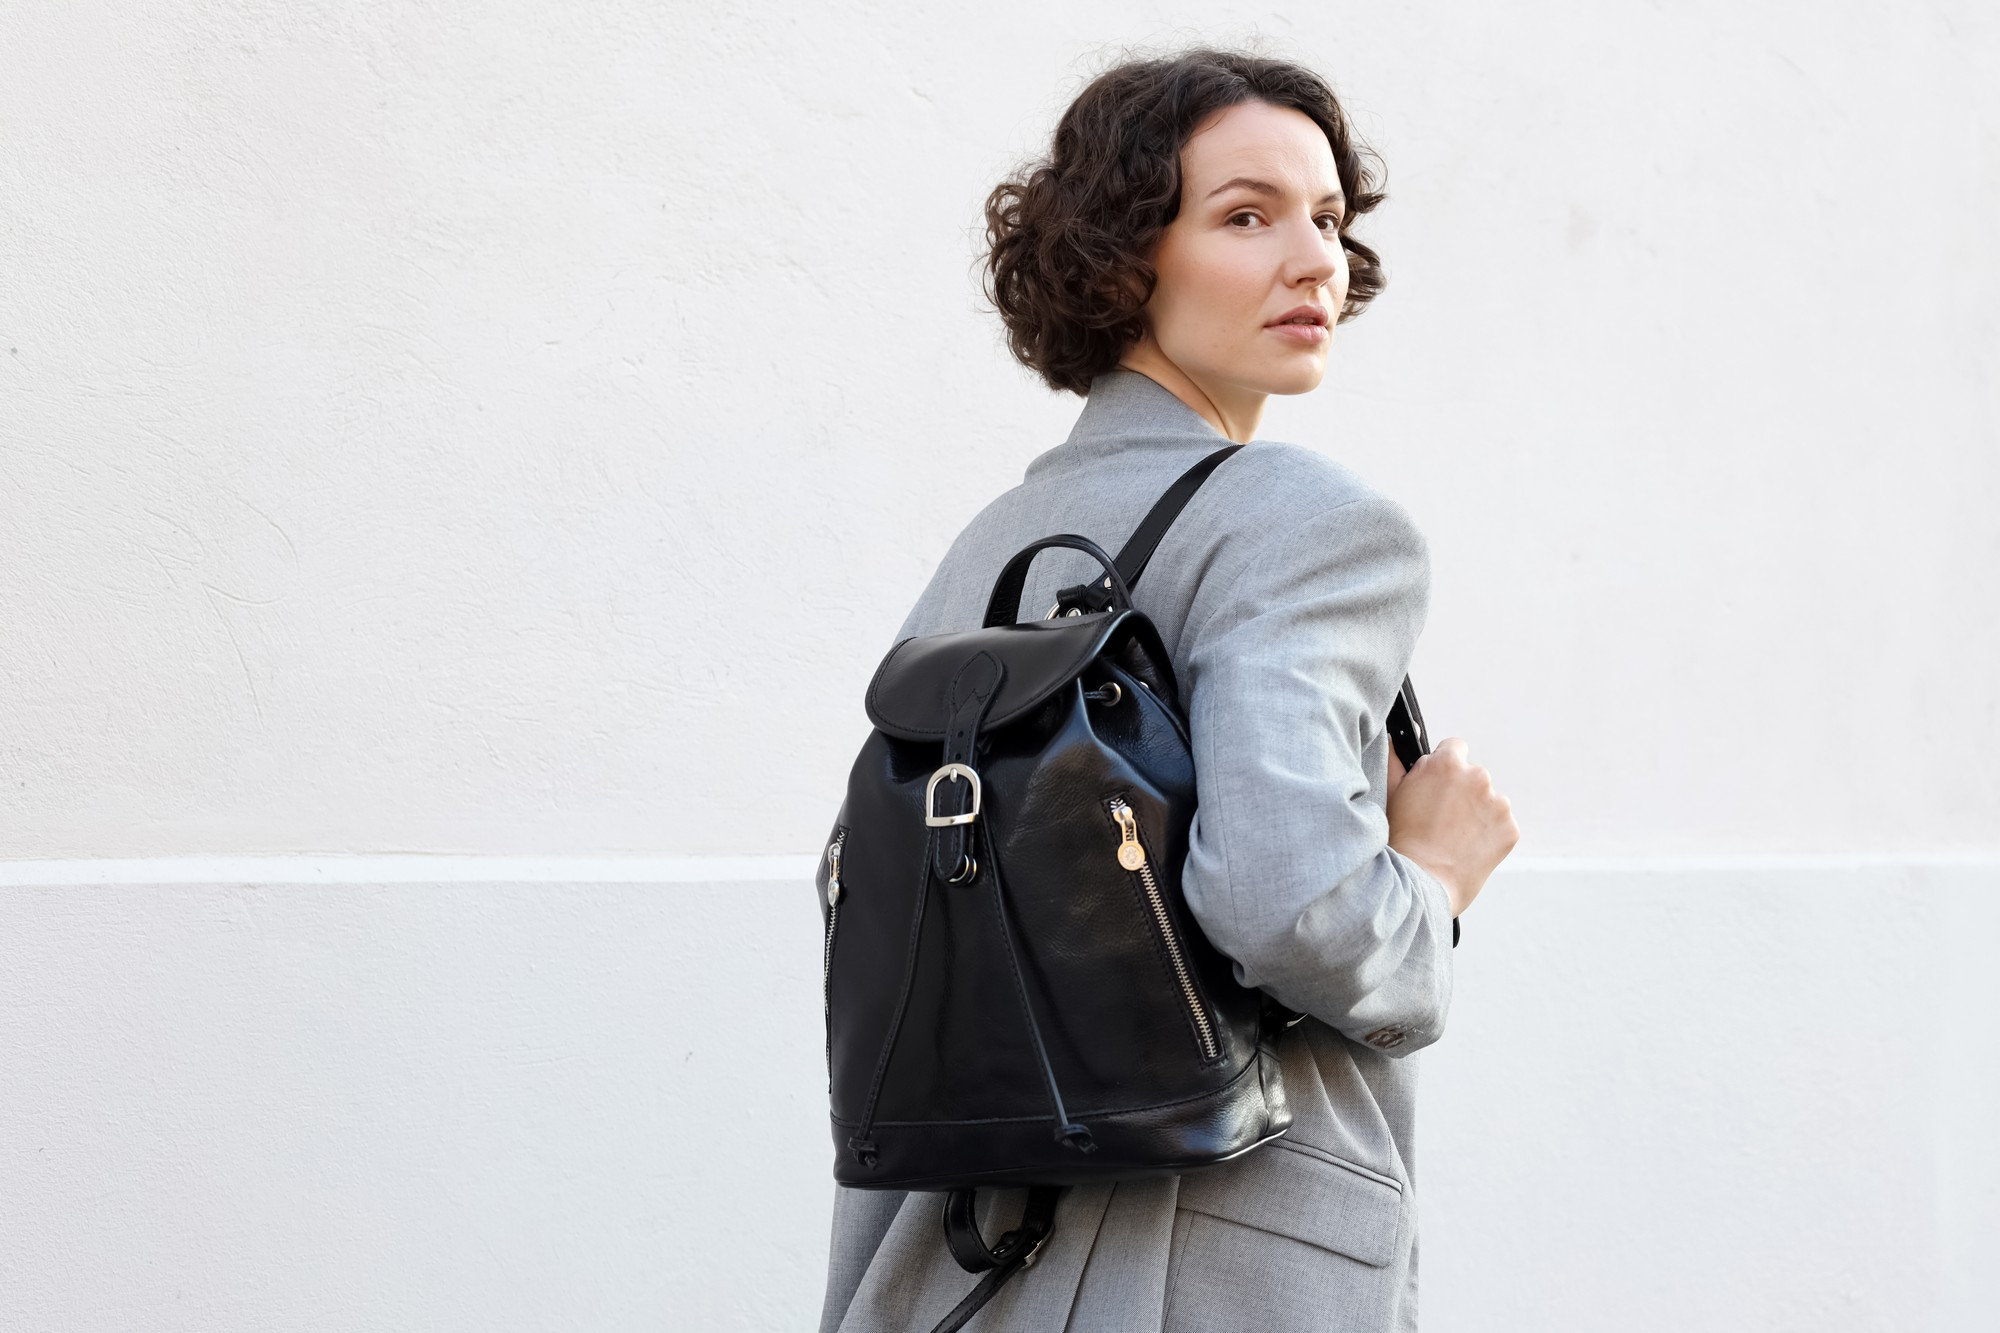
(1130, 854)
(833, 874)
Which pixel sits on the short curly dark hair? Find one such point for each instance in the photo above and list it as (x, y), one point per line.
(1068, 237)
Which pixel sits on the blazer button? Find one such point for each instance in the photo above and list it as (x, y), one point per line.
(1385, 1039)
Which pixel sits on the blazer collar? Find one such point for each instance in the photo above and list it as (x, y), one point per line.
(1126, 409)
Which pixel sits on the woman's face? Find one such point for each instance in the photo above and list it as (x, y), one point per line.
(1257, 236)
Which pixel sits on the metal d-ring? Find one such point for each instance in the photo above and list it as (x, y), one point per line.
(968, 867)
(935, 820)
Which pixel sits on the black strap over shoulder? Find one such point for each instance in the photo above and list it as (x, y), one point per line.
(1138, 549)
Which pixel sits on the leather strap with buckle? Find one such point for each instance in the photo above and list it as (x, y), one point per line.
(972, 693)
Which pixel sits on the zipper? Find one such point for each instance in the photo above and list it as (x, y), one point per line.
(1132, 856)
(833, 896)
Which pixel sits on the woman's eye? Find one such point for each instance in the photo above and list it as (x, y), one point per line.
(1334, 218)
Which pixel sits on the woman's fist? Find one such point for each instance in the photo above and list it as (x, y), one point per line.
(1445, 815)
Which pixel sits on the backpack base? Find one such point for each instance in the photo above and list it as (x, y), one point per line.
(1243, 1114)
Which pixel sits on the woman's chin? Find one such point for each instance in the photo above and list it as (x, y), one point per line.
(1292, 375)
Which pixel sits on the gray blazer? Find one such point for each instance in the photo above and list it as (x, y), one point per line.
(1290, 594)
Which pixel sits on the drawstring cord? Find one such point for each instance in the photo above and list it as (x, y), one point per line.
(1067, 1132)
(866, 1150)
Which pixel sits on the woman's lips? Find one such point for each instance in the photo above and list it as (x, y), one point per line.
(1306, 335)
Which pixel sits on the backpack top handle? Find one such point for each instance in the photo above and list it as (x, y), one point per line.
(1004, 606)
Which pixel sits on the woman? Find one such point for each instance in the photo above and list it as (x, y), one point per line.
(1183, 254)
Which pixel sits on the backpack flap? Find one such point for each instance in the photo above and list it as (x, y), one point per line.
(910, 697)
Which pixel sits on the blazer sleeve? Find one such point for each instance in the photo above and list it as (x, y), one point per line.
(1289, 871)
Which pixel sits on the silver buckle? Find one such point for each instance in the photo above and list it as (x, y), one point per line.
(931, 817)
(1035, 1250)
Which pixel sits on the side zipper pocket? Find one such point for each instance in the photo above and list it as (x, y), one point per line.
(833, 896)
(1132, 856)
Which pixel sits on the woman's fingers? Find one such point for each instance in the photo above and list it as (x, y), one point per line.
(1446, 815)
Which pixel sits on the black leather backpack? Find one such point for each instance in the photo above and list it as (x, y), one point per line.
(1016, 993)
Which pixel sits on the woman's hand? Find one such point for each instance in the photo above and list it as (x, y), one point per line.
(1445, 815)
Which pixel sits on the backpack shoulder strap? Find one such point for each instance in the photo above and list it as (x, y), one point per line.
(1138, 549)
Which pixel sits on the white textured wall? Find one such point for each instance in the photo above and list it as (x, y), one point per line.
(512, 431)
